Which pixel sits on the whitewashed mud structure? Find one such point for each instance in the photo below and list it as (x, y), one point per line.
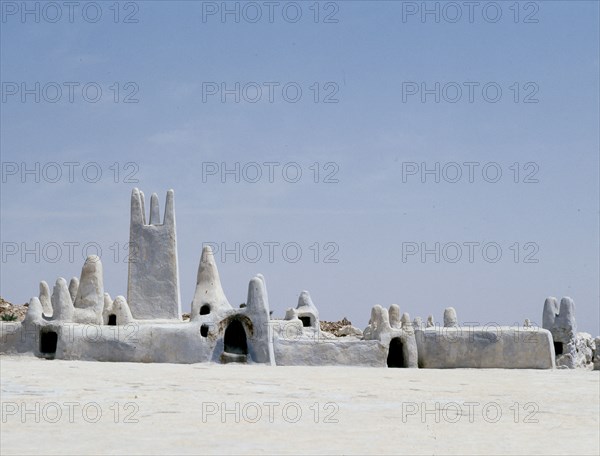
(153, 280)
(572, 349)
(79, 320)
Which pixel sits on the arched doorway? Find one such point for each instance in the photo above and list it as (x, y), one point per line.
(235, 343)
(306, 321)
(396, 353)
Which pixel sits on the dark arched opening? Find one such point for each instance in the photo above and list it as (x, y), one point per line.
(306, 321)
(112, 320)
(48, 342)
(235, 339)
(205, 309)
(396, 353)
(558, 348)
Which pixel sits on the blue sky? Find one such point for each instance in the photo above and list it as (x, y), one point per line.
(371, 214)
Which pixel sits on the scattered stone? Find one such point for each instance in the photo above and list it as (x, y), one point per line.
(334, 326)
(584, 351)
(348, 331)
(11, 312)
(596, 353)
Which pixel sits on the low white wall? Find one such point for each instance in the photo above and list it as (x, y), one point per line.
(327, 352)
(485, 347)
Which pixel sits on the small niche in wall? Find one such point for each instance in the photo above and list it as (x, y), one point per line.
(306, 321)
(205, 309)
(48, 342)
(558, 348)
(204, 330)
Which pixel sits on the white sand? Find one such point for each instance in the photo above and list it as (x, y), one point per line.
(167, 401)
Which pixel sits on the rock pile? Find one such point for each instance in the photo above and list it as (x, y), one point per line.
(10, 312)
(340, 328)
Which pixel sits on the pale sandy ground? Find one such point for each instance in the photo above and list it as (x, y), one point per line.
(365, 407)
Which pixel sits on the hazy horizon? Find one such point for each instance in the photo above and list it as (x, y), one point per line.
(369, 155)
